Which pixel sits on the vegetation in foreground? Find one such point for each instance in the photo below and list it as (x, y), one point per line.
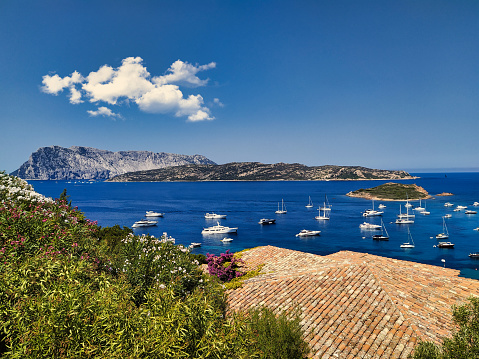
(69, 289)
(464, 343)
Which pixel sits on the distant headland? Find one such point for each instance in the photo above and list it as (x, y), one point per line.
(256, 171)
(87, 163)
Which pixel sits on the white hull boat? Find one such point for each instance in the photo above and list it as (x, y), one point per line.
(219, 229)
(144, 223)
(410, 243)
(445, 233)
(226, 240)
(215, 216)
(325, 215)
(310, 203)
(283, 208)
(404, 219)
(369, 226)
(308, 233)
(372, 212)
(419, 208)
(154, 214)
(326, 205)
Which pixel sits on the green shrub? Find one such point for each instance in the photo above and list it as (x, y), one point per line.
(464, 343)
(110, 238)
(62, 297)
(278, 337)
(147, 261)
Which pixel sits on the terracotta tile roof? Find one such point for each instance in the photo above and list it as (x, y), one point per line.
(356, 305)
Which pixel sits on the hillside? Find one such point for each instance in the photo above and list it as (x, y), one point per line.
(59, 163)
(255, 171)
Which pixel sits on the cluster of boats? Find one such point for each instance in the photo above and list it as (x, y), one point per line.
(407, 218)
(324, 214)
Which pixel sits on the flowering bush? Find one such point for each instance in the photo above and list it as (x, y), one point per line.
(69, 289)
(225, 266)
(148, 261)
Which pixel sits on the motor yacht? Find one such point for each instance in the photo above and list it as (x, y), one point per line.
(219, 229)
(445, 245)
(154, 214)
(308, 233)
(267, 221)
(144, 223)
(371, 226)
(215, 216)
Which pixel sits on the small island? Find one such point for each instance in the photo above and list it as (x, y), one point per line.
(443, 194)
(392, 192)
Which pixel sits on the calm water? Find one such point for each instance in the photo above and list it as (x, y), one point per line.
(245, 203)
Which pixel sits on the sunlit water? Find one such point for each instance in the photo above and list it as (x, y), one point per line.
(245, 203)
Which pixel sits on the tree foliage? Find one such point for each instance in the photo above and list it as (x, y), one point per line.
(464, 343)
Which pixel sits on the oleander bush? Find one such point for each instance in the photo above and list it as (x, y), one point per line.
(71, 289)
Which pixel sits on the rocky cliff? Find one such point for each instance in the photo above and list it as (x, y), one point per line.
(59, 163)
(255, 171)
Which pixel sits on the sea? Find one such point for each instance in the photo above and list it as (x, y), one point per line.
(245, 203)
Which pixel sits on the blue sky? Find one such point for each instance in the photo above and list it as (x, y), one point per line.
(381, 84)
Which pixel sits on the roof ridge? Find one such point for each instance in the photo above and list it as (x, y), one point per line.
(405, 315)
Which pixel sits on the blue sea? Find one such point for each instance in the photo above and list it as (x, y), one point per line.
(245, 203)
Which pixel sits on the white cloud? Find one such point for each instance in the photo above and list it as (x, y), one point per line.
(103, 111)
(55, 84)
(217, 102)
(132, 82)
(184, 73)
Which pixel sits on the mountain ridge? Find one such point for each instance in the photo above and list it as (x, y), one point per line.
(256, 171)
(88, 163)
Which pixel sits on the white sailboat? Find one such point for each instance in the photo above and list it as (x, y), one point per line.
(310, 203)
(420, 208)
(410, 243)
(325, 215)
(372, 212)
(283, 208)
(407, 205)
(425, 212)
(326, 205)
(445, 233)
(404, 219)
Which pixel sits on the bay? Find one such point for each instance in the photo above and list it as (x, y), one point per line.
(245, 203)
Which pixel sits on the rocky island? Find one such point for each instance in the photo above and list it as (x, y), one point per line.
(392, 192)
(86, 163)
(256, 171)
